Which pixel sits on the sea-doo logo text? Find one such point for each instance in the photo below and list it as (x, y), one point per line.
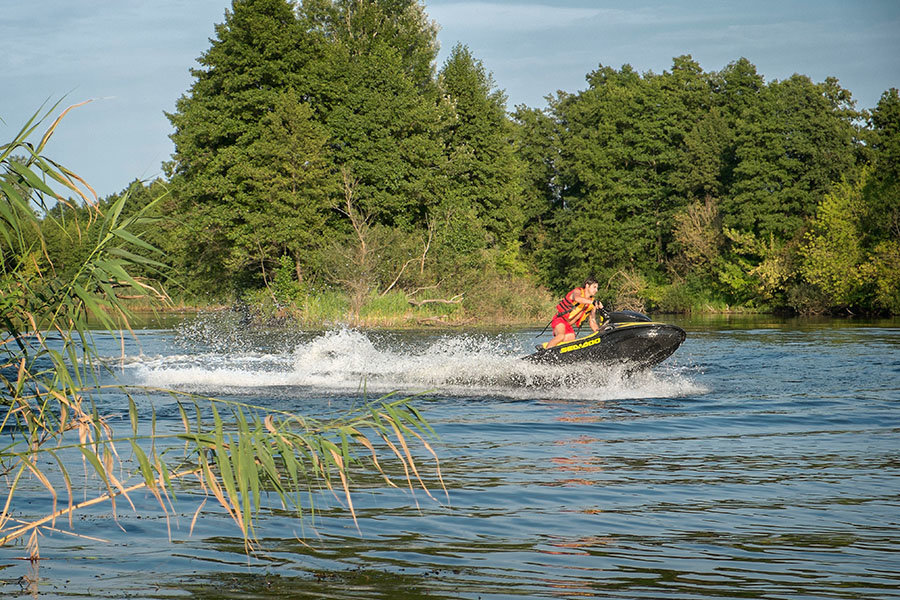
(585, 344)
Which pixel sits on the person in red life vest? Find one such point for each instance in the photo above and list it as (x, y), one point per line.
(578, 305)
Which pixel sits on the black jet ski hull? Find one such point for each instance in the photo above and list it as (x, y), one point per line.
(639, 345)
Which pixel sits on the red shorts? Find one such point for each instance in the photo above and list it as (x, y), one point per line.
(556, 321)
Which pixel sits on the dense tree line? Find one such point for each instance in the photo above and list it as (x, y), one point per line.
(320, 145)
(718, 187)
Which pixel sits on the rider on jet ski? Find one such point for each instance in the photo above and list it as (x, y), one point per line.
(579, 304)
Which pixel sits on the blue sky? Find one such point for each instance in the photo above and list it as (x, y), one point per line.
(132, 57)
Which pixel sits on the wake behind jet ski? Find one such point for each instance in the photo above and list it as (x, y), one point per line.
(625, 337)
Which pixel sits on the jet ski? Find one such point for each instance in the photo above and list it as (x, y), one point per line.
(625, 337)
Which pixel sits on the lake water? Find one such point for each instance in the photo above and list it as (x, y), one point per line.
(761, 461)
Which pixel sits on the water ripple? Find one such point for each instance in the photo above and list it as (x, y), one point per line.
(761, 461)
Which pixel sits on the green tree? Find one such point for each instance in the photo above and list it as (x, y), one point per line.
(385, 131)
(621, 166)
(481, 208)
(790, 147)
(223, 126)
(883, 187)
(881, 275)
(831, 253)
(702, 169)
(738, 90)
(537, 140)
(361, 27)
(881, 223)
(601, 222)
(287, 107)
(377, 97)
(286, 191)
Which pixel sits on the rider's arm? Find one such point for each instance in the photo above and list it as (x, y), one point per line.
(582, 299)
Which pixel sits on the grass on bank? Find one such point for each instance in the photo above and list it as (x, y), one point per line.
(513, 302)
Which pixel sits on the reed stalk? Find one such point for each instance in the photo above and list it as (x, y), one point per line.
(49, 378)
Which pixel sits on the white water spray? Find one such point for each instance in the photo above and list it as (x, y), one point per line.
(345, 361)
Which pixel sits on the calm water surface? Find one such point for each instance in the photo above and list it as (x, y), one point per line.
(761, 461)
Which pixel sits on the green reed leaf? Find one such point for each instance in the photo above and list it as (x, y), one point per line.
(133, 239)
(30, 178)
(94, 460)
(133, 258)
(144, 464)
(133, 415)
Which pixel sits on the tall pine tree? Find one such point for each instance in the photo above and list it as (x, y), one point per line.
(224, 128)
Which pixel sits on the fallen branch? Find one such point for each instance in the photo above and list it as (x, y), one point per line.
(442, 320)
(425, 287)
(397, 278)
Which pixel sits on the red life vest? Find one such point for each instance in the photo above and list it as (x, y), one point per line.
(574, 312)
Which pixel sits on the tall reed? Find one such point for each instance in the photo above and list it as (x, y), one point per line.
(49, 379)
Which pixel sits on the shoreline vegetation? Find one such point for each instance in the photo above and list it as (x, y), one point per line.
(332, 170)
(396, 311)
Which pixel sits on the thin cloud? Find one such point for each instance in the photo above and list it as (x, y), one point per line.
(521, 17)
(513, 17)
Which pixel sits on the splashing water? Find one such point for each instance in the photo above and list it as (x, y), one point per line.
(347, 360)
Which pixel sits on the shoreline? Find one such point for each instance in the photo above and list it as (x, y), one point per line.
(419, 322)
